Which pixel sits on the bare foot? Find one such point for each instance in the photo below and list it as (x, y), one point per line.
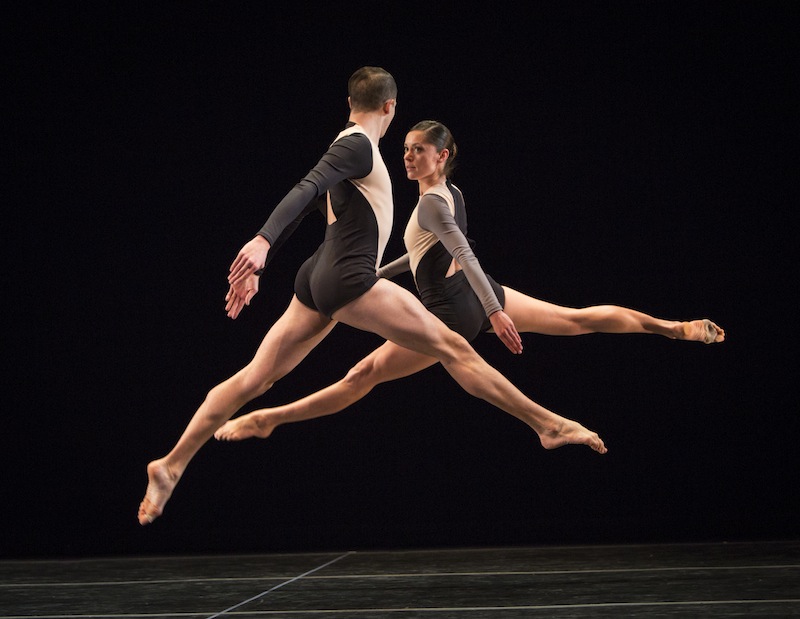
(568, 432)
(161, 482)
(252, 425)
(703, 331)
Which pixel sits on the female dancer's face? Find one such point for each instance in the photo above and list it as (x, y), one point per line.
(420, 157)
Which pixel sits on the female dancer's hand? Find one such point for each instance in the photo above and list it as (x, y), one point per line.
(504, 327)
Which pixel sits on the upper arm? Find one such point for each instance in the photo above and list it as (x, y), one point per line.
(434, 216)
(348, 157)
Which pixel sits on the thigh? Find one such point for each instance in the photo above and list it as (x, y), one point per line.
(397, 315)
(532, 315)
(289, 340)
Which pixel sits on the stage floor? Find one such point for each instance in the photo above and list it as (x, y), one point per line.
(752, 579)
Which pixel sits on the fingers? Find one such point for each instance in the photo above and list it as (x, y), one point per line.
(241, 273)
(239, 296)
(512, 341)
(233, 303)
(250, 259)
(234, 308)
(243, 284)
(506, 330)
(241, 269)
(246, 289)
(235, 265)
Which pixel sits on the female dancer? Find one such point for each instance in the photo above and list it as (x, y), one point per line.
(453, 286)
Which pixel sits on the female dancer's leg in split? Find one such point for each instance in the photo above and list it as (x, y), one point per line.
(531, 315)
(287, 343)
(408, 324)
(386, 363)
(390, 362)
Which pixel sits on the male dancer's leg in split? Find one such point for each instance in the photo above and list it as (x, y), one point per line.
(391, 312)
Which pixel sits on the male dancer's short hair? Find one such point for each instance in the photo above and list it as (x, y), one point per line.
(369, 88)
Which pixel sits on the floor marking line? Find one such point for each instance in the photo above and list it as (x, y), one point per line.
(426, 609)
(161, 581)
(278, 586)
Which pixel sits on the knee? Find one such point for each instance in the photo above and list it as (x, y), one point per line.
(578, 321)
(457, 348)
(459, 343)
(362, 376)
(242, 387)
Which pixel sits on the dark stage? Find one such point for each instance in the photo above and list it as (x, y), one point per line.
(670, 580)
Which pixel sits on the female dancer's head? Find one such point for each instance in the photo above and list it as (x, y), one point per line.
(429, 151)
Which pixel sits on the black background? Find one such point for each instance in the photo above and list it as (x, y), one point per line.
(629, 152)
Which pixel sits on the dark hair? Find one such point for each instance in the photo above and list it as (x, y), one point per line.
(369, 88)
(437, 134)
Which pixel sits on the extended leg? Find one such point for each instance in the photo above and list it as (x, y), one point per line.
(535, 316)
(287, 343)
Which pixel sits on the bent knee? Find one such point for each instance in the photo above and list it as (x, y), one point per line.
(363, 375)
(455, 347)
(245, 385)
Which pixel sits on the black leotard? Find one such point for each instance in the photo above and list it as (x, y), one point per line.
(434, 237)
(353, 175)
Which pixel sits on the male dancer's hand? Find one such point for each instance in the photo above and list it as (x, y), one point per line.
(251, 258)
(239, 295)
(505, 329)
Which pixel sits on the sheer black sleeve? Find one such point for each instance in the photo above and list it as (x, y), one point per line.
(348, 157)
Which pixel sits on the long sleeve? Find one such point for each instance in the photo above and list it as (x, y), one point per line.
(434, 216)
(395, 267)
(348, 157)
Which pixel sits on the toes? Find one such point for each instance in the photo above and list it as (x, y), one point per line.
(147, 512)
(712, 332)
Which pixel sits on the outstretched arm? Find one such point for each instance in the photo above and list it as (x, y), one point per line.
(348, 157)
